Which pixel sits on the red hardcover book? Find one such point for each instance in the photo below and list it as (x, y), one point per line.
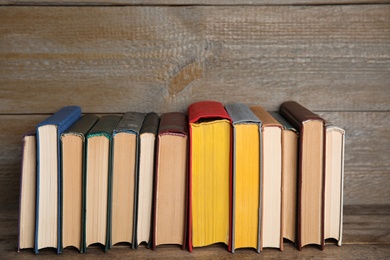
(170, 187)
(210, 175)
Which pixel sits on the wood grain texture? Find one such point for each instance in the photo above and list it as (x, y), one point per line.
(186, 2)
(116, 59)
(360, 224)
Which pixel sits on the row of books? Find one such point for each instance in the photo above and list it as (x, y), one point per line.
(236, 175)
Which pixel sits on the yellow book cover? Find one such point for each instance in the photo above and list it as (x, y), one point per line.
(246, 163)
(210, 174)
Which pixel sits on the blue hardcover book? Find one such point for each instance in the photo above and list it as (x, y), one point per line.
(47, 223)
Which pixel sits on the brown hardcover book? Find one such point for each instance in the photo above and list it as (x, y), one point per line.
(311, 182)
(271, 221)
(170, 192)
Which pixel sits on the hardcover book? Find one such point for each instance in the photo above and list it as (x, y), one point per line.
(210, 175)
(290, 137)
(247, 177)
(146, 177)
(170, 192)
(272, 210)
(48, 210)
(72, 172)
(125, 154)
(97, 182)
(310, 227)
(334, 182)
(27, 193)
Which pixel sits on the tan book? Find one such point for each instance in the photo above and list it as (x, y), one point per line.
(310, 227)
(290, 139)
(72, 171)
(27, 193)
(125, 154)
(146, 177)
(271, 227)
(97, 184)
(170, 193)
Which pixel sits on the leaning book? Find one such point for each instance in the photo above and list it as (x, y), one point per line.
(27, 193)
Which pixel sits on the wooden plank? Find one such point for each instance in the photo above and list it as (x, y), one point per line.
(360, 224)
(367, 160)
(115, 59)
(187, 2)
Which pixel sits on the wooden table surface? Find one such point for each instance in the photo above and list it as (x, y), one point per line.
(366, 235)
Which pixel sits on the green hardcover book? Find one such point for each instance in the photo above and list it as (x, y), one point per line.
(97, 183)
(125, 178)
(72, 172)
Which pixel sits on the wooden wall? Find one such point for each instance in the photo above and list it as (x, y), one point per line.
(117, 56)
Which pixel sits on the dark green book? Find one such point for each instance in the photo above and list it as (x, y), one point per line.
(72, 172)
(97, 182)
(125, 179)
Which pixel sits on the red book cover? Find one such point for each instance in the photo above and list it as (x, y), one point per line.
(171, 124)
(199, 111)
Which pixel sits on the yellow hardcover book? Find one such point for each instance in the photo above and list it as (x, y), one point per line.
(209, 204)
(246, 163)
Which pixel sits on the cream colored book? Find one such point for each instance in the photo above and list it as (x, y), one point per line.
(272, 210)
(334, 182)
